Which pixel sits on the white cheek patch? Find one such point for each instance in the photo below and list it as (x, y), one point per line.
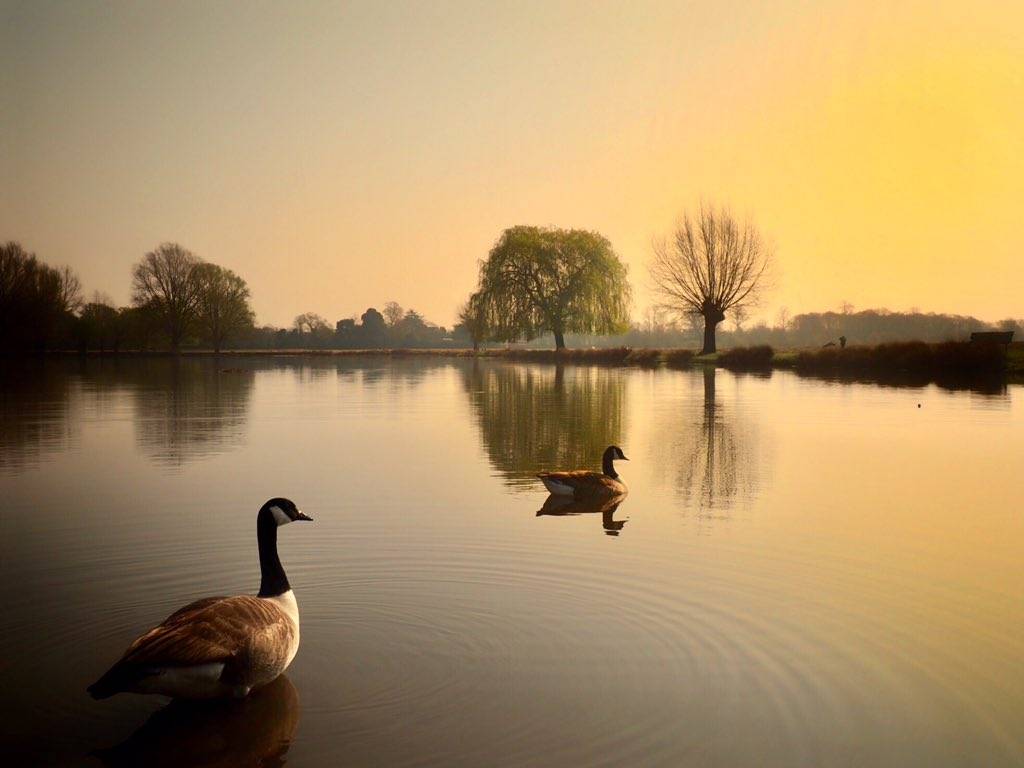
(279, 516)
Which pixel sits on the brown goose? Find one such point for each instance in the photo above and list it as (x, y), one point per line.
(219, 646)
(583, 484)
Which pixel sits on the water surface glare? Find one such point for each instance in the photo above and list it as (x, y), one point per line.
(804, 573)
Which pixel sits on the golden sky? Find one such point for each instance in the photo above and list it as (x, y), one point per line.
(341, 155)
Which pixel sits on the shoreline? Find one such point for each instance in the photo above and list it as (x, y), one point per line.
(875, 363)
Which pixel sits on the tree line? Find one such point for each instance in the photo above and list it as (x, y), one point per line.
(536, 283)
(177, 298)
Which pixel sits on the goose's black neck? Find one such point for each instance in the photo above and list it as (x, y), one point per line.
(608, 466)
(273, 581)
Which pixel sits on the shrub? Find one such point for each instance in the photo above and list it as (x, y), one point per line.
(645, 357)
(678, 358)
(949, 358)
(747, 358)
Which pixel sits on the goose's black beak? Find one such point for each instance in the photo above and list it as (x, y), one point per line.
(623, 458)
(303, 516)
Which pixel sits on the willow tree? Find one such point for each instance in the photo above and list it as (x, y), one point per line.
(539, 280)
(223, 308)
(711, 265)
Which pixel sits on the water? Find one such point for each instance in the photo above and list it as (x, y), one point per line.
(804, 573)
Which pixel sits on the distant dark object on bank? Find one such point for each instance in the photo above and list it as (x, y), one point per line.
(992, 337)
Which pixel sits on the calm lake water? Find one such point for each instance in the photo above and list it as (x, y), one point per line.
(804, 573)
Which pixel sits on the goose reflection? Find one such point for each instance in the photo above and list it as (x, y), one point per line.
(254, 731)
(566, 505)
(535, 417)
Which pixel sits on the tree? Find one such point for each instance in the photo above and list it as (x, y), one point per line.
(310, 322)
(374, 328)
(393, 313)
(70, 290)
(165, 281)
(539, 280)
(711, 266)
(223, 308)
(98, 324)
(472, 319)
(36, 300)
(739, 317)
(782, 319)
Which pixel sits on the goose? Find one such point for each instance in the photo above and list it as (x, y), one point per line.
(582, 484)
(219, 647)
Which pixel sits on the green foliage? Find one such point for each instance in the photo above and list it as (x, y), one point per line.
(539, 280)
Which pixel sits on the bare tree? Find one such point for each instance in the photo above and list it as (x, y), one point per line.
(782, 319)
(310, 322)
(740, 315)
(393, 313)
(70, 290)
(712, 265)
(165, 281)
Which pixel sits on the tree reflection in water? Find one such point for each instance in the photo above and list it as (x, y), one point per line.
(254, 731)
(535, 418)
(187, 409)
(36, 404)
(715, 462)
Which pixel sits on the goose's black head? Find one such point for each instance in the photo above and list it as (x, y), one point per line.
(612, 453)
(282, 512)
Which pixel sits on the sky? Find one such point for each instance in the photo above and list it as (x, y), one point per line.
(341, 155)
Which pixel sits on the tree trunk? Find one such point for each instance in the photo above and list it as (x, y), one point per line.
(559, 340)
(711, 321)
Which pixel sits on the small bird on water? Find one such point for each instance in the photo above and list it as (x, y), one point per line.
(219, 647)
(584, 484)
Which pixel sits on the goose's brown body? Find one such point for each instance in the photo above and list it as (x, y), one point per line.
(252, 638)
(583, 484)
